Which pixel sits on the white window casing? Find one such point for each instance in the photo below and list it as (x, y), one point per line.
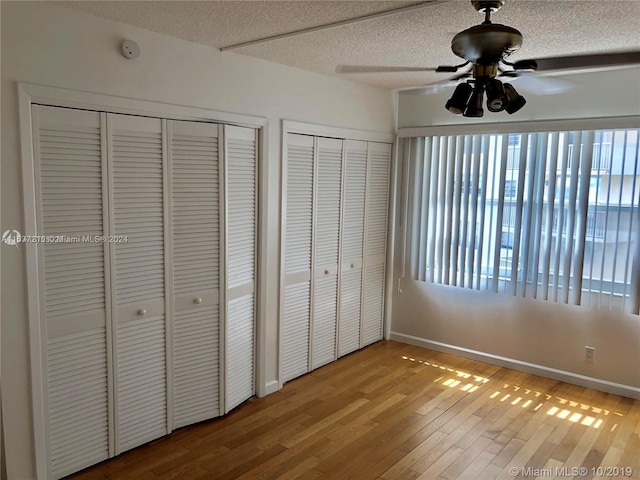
(543, 214)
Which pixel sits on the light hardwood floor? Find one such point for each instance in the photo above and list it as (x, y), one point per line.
(394, 411)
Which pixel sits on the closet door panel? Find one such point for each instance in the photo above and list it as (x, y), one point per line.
(328, 198)
(295, 336)
(379, 163)
(324, 320)
(373, 304)
(352, 247)
(240, 350)
(241, 194)
(297, 233)
(326, 250)
(136, 154)
(350, 311)
(195, 244)
(70, 181)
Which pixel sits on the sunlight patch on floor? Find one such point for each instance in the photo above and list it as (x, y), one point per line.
(465, 381)
(562, 408)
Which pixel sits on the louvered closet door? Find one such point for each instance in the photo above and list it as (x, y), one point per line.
(195, 243)
(378, 168)
(352, 247)
(326, 247)
(70, 180)
(297, 223)
(138, 279)
(241, 191)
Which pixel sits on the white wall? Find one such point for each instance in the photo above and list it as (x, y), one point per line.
(54, 46)
(545, 334)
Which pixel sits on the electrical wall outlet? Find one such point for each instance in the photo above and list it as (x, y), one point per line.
(589, 354)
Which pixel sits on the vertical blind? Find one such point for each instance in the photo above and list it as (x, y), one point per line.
(548, 215)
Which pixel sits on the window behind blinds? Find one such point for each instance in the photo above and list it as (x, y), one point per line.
(552, 215)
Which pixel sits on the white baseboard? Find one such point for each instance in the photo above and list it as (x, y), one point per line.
(564, 376)
(271, 387)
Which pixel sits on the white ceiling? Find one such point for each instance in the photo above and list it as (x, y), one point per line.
(418, 38)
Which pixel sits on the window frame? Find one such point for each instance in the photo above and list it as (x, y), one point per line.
(519, 128)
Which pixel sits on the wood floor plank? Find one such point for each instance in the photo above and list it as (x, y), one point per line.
(443, 447)
(541, 456)
(429, 424)
(138, 469)
(190, 460)
(324, 423)
(526, 452)
(375, 463)
(395, 411)
(288, 459)
(631, 454)
(577, 457)
(245, 466)
(458, 466)
(507, 453)
(405, 464)
(300, 469)
(480, 463)
(343, 444)
(443, 461)
(490, 472)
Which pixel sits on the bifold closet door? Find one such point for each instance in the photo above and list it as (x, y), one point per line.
(378, 170)
(195, 185)
(240, 297)
(326, 243)
(136, 158)
(147, 288)
(351, 254)
(70, 190)
(297, 222)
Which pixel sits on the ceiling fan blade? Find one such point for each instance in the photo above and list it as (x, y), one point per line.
(436, 87)
(379, 69)
(427, 89)
(539, 84)
(595, 60)
(432, 88)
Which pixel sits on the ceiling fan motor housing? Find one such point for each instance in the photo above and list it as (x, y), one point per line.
(486, 44)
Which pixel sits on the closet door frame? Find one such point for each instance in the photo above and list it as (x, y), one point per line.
(31, 94)
(302, 128)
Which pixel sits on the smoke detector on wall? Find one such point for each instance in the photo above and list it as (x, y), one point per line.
(130, 49)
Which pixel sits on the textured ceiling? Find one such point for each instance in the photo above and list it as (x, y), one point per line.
(418, 38)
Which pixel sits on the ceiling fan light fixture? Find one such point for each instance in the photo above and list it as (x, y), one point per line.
(496, 96)
(474, 106)
(516, 101)
(456, 104)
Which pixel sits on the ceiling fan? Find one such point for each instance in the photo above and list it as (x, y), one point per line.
(485, 47)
